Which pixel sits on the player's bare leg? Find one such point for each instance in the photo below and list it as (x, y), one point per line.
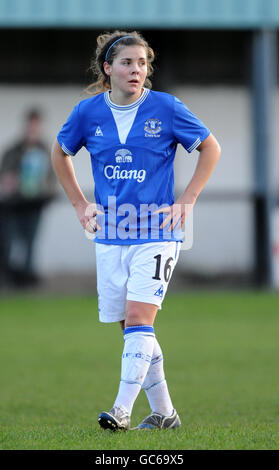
(140, 313)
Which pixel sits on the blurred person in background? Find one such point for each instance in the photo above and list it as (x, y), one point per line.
(27, 185)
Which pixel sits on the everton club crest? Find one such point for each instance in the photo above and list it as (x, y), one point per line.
(152, 127)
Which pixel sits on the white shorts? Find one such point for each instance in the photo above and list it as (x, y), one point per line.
(133, 272)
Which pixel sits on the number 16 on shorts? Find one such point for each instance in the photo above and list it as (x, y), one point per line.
(164, 268)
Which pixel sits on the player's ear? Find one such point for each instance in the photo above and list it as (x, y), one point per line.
(107, 68)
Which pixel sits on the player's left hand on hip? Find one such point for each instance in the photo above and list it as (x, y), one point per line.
(177, 214)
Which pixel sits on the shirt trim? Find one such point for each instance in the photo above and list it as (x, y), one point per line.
(128, 107)
(194, 145)
(66, 150)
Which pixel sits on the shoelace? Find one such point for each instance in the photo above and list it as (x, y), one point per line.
(120, 412)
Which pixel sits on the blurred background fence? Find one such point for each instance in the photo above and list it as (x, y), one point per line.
(220, 58)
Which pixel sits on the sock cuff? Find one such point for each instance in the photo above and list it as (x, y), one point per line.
(146, 329)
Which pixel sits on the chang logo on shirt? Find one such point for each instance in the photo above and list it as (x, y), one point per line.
(123, 156)
(152, 127)
(112, 172)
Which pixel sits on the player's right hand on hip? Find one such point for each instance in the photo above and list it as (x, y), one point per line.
(86, 213)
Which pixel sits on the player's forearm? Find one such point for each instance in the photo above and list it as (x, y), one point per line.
(209, 155)
(63, 167)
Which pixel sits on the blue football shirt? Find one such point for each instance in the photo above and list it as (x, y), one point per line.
(132, 150)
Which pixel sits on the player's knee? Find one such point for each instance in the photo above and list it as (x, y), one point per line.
(138, 313)
(135, 316)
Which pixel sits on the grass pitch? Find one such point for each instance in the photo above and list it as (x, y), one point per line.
(60, 367)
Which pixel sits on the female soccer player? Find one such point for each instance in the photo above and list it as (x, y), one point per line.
(131, 134)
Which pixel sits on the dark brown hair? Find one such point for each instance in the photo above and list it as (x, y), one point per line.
(104, 41)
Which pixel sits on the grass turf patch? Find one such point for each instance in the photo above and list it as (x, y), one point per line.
(60, 367)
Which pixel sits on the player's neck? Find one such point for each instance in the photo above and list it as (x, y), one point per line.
(122, 99)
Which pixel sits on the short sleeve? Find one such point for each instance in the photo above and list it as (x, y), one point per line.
(71, 137)
(189, 131)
